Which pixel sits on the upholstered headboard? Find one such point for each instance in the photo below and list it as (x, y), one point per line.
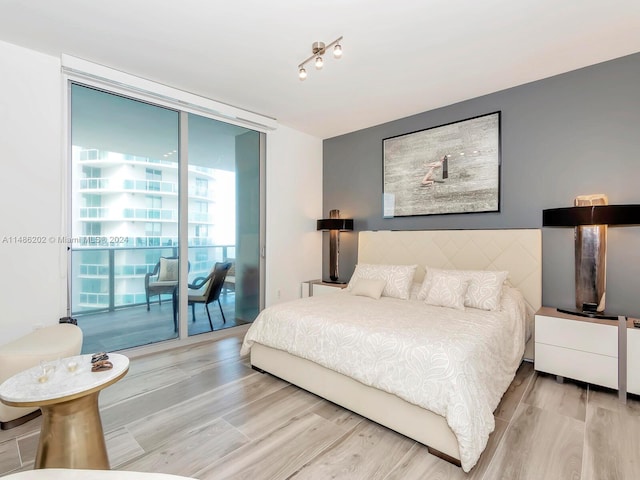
(518, 251)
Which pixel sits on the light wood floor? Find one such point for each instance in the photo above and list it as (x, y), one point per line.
(201, 411)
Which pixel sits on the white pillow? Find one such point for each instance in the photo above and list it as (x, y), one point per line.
(447, 290)
(168, 270)
(368, 287)
(485, 287)
(398, 278)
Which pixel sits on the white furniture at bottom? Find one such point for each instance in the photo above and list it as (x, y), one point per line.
(577, 347)
(69, 474)
(71, 435)
(596, 351)
(47, 343)
(318, 287)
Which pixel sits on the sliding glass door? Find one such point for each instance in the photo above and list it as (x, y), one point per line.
(126, 203)
(224, 224)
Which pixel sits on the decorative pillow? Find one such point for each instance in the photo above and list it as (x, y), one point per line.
(447, 291)
(398, 278)
(367, 287)
(168, 270)
(485, 287)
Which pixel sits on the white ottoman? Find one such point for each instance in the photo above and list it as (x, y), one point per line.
(49, 343)
(68, 474)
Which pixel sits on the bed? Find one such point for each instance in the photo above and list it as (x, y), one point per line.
(383, 382)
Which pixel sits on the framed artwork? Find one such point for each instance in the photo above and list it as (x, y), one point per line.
(453, 168)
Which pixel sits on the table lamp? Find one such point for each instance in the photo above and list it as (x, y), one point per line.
(334, 224)
(591, 215)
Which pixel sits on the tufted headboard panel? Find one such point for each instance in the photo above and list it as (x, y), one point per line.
(518, 250)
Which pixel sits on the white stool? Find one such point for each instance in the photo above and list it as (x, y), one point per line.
(48, 343)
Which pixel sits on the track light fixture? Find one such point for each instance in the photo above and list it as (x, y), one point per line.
(318, 49)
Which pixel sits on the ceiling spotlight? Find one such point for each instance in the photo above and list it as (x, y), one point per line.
(318, 49)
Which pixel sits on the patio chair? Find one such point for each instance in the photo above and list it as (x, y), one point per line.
(230, 279)
(163, 279)
(207, 289)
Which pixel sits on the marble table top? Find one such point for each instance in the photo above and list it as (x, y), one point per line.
(69, 377)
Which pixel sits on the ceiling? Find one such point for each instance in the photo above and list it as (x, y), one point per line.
(400, 58)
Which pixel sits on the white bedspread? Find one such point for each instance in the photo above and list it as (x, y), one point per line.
(456, 364)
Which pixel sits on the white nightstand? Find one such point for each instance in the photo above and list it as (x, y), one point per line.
(318, 287)
(577, 347)
(601, 352)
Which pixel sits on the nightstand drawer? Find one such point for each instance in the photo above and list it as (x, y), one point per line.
(587, 367)
(577, 335)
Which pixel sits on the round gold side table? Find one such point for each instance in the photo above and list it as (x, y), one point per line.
(71, 435)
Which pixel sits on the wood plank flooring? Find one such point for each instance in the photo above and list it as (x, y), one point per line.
(201, 411)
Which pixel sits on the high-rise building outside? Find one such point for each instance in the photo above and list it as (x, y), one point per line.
(125, 217)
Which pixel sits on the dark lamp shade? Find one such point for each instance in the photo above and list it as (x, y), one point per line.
(591, 215)
(335, 224)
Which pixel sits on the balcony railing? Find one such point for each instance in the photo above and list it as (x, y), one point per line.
(110, 278)
(89, 156)
(95, 183)
(167, 214)
(115, 185)
(154, 214)
(150, 186)
(200, 217)
(94, 212)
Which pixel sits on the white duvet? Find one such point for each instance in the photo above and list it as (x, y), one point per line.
(455, 363)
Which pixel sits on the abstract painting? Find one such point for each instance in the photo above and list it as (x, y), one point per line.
(453, 168)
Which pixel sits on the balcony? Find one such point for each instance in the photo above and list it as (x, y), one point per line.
(109, 278)
(109, 300)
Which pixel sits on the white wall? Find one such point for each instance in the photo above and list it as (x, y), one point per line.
(32, 285)
(294, 203)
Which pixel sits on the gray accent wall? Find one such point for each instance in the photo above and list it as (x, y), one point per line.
(572, 134)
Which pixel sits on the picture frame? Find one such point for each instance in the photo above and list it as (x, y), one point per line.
(449, 169)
